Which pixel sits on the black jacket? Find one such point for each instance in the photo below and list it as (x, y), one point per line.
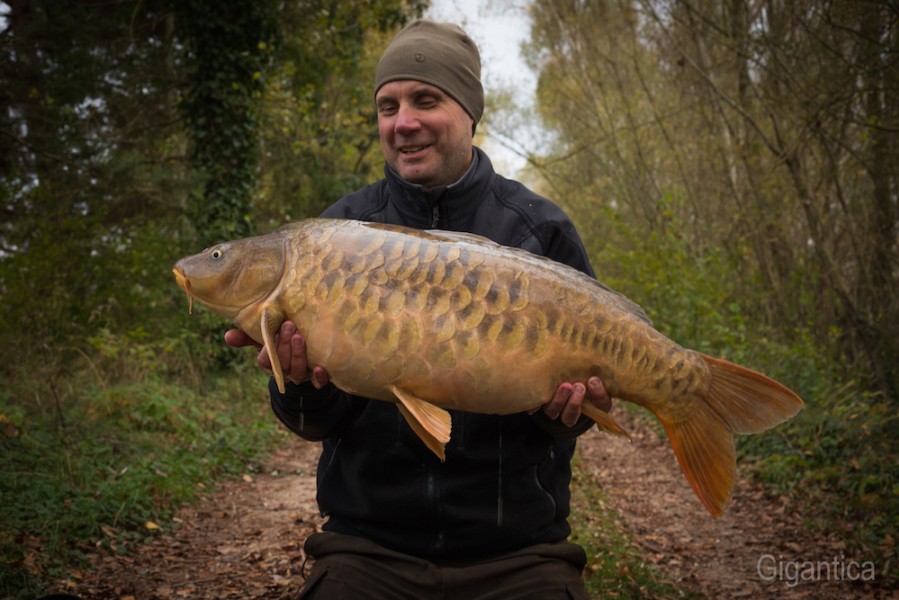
(505, 482)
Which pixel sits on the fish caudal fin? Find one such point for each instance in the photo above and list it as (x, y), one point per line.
(739, 400)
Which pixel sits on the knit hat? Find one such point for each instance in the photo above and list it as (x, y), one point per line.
(440, 54)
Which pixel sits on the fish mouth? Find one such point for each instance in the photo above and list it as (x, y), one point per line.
(184, 284)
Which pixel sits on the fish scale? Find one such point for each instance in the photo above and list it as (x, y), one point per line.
(438, 320)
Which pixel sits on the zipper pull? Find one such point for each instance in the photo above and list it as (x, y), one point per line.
(435, 217)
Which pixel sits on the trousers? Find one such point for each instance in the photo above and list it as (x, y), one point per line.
(352, 568)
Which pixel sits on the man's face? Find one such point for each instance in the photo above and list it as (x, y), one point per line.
(426, 136)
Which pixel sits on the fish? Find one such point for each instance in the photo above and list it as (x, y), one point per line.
(436, 320)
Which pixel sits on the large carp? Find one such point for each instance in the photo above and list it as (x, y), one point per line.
(436, 320)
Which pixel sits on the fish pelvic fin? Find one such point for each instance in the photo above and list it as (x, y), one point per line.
(430, 423)
(603, 419)
(271, 320)
(739, 400)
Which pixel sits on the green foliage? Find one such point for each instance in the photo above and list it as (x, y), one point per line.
(841, 446)
(128, 455)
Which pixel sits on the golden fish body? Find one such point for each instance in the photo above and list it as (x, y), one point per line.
(436, 320)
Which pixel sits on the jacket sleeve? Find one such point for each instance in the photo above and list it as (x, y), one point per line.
(310, 413)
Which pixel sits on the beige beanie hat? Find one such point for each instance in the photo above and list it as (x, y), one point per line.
(440, 54)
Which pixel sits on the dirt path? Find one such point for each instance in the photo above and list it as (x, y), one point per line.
(245, 540)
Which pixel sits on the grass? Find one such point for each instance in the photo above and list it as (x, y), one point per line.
(118, 465)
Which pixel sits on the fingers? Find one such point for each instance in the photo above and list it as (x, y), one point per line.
(597, 394)
(239, 339)
(566, 403)
(569, 398)
(290, 346)
(320, 377)
(296, 369)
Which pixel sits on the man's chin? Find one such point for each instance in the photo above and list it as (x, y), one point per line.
(415, 174)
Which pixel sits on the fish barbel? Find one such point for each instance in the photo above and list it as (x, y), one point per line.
(437, 320)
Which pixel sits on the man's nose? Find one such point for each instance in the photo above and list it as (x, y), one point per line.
(407, 119)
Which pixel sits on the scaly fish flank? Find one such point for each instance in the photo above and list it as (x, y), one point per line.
(437, 320)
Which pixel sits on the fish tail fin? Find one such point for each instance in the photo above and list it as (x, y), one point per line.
(739, 400)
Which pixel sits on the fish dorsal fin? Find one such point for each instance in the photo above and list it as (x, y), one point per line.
(270, 322)
(430, 423)
(462, 236)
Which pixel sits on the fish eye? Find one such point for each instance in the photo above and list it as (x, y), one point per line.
(217, 254)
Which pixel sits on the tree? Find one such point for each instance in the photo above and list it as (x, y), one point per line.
(228, 48)
(90, 173)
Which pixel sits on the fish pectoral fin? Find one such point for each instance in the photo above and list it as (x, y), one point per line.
(430, 423)
(270, 323)
(604, 420)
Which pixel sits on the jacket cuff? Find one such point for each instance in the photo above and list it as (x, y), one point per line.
(307, 411)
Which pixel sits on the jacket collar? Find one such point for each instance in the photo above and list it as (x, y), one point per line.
(453, 206)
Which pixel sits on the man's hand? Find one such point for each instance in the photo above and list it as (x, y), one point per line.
(569, 397)
(290, 347)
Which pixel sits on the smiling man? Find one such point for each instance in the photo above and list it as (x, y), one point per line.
(490, 521)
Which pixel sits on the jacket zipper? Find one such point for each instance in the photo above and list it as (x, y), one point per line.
(435, 216)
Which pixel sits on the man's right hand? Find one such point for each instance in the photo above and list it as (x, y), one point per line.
(290, 347)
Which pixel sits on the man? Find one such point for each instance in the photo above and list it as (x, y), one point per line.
(490, 521)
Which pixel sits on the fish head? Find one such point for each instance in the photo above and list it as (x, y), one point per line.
(230, 277)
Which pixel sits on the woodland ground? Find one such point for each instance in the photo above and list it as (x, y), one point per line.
(245, 540)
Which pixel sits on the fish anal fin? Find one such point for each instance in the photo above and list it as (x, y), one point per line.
(429, 422)
(271, 320)
(704, 447)
(604, 420)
